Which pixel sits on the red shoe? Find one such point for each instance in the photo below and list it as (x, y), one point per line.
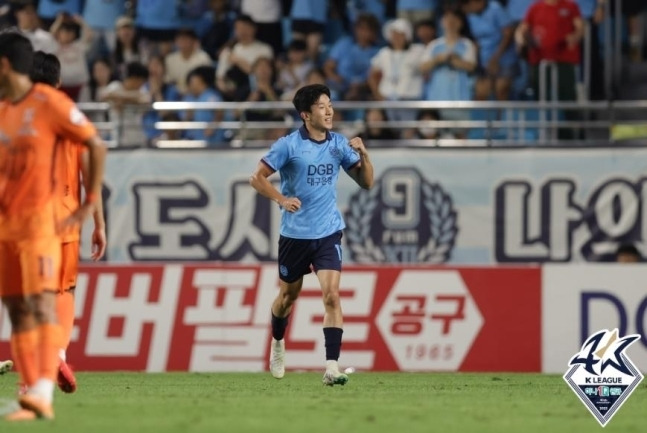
(66, 379)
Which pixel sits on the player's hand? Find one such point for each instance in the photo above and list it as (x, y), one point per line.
(358, 146)
(84, 211)
(291, 204)
(98, 243)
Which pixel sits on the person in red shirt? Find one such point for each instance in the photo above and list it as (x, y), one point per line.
(552, 31)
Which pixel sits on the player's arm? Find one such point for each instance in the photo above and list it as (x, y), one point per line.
(96, 163)
(260, 182)
(362, 171)
(99, 234)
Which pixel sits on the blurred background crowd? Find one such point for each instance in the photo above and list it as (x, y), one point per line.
(138, 52)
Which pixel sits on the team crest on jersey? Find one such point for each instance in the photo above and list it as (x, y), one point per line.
(334, 150)
(602, 375)
(77, 117)
(403, 219)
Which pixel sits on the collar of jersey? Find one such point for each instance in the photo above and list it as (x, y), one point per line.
(306, 136)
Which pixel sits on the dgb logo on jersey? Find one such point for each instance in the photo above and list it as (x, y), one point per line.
(602, 375)
(403, 219)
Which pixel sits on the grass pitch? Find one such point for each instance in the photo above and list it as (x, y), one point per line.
(370, 402)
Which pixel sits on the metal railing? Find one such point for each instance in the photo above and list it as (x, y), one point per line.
(513, 123)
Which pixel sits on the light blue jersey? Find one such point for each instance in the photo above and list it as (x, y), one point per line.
(49, 8)
(315, 10)
(101, 15)
(309, 171)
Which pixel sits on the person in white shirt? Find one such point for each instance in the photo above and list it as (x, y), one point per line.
(72, 52)
(127, 111)
(29, 24)
(267, 15)
(395, 74)
(235, 63)
(186, 58)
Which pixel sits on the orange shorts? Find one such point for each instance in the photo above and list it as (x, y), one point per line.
(70, 265)
(30, 267)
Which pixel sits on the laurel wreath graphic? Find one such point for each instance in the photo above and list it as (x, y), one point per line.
(359, 227)
(442, 223)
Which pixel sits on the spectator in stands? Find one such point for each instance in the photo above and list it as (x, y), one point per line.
(49, 10)
(158, 91)
(6, 17)
(262, 87)
(125, 96)
(100, 78)
(235, 63)
(628, 253)
(592, 15)
(425, 32)
(128, 48)
(101, 17)
(267, 15)
(29, 24)
(517, 10)
(416, 10)
(349, 61)
(72, 52)
(428, 131)
(450, 60)
(216, 27)
(372, 130)
(308, 23)
(395, 69)
(187, 57)
(294, 71)
(493, 32)
(200, 86)
(552, 31)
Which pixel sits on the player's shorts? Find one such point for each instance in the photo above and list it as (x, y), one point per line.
(30, 267)
(297, 257)
(69, 265)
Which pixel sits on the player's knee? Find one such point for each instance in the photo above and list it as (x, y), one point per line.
(45, 308)
(331, 299)
(19, 311)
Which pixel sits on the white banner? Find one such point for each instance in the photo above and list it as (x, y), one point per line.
(578, 300)
(459, 206)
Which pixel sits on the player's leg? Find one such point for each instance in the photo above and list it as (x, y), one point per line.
(65, 310)
(294, 263)
(40, 261)
(327, 263)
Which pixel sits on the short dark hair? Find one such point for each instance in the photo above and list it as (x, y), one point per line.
(190, 33)
(245, 19)
(298, 45)
(46, 69)
(628, 249)
(17, 49)
(307, 96)
(136, 70)
(206, 73)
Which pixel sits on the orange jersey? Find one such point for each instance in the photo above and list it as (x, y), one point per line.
(30, 132)
(68, 186)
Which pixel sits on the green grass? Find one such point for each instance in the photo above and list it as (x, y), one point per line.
(370, 402)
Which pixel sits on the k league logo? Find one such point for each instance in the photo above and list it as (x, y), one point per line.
(403, 219)
(602, 375)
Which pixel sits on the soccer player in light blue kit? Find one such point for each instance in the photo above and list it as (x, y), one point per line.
(309, 161)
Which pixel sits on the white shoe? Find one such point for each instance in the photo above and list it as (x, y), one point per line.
(334, 377)
(6, 366)
(277, 358)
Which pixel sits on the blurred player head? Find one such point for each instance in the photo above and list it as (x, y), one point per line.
(314, 106)
(16, 58)
(628, 253)
(46, 69)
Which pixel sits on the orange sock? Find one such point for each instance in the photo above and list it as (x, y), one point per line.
(24, 348)
(51, 339)
(65, 311)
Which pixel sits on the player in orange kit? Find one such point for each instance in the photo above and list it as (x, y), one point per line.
(34, 120)
(72, 162)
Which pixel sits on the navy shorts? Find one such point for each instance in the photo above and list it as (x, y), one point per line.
(297, 257)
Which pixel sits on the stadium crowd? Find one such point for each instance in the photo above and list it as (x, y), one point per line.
(138, 52)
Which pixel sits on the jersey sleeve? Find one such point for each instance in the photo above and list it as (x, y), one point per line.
(350, 158)
(278, 155)
(68, 121)
(501, 16)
